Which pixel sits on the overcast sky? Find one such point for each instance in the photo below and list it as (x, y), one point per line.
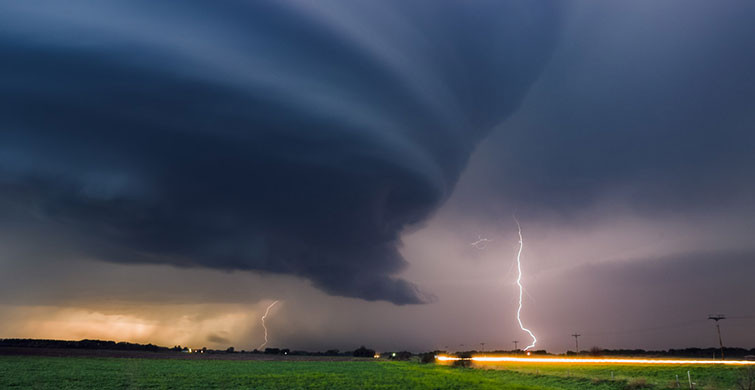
(167, 170)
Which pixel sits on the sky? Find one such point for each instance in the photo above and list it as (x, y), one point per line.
(168, 170)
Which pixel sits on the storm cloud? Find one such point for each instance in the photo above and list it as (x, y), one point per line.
(288, 138)
(645, 103)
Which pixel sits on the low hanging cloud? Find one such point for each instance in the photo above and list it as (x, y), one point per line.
(275, 137)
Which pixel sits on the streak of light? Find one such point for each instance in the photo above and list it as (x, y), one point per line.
(521, 288)
(548, 360)
(481, 242)
(263, 323)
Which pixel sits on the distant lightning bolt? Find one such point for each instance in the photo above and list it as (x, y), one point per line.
(521, 288)
(263, 323)
(481, 243)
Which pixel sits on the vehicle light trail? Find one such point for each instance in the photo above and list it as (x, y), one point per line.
(512, 359)
(521, 288)
(263, 323)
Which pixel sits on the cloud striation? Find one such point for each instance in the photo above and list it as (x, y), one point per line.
(278, 137)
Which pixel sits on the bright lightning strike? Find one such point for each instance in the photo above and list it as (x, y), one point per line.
(521, 288)
(263, 323)
(481, 242)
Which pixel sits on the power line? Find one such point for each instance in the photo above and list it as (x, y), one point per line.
(650, 329)
(719, 317)
(576, 340)
(740, 318)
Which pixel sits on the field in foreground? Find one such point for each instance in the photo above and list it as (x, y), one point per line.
(121, 373)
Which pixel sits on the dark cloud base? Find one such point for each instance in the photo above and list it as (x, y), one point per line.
(260, 137)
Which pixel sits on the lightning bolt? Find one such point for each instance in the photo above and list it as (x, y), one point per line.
(521, 288)
(481, 243)
(263, 323)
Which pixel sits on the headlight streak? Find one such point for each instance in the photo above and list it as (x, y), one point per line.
(512, 359)
(521, 288)
(263, 323)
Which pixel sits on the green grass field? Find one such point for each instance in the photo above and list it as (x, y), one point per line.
(24, 372)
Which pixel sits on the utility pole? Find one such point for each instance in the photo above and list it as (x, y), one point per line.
(482, 347)
(576, 340)
(516, 345)
(719, 317)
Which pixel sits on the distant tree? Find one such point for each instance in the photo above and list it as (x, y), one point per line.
(82, 344)
(403, 355)
(332, 352)
(596, 351)
(230, 350)
(364, 352)
(427, 357)
(464, 361)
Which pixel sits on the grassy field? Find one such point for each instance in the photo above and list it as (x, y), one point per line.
(24, 372)
(635, 376)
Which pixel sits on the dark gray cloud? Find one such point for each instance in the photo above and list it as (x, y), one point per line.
(644, 101)
(265, 136)
(658, 302)
(214, 338)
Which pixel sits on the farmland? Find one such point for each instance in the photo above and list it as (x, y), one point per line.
(41, 372)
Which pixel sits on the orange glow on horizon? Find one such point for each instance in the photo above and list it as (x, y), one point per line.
(159, 324)
(513, 359)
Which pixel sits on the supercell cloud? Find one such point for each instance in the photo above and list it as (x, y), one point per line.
(275, 137)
